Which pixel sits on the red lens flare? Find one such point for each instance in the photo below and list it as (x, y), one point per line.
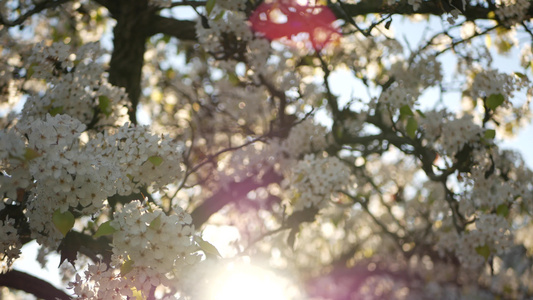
(292, 22)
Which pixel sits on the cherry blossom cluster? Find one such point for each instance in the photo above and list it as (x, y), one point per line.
(150, 249)
(491, 236)
(258, 54)
(13, 155)
(141, 157)
(410, 79)
(9, 92)
(212, 35)
(149, 238)
(101, 281)
(62, 173)
(487, 193)
(450, 134)
(492, 82)
(498, 182)
(241, 103)
(226, 33)
(526, 56)
(9, 243)
(50, 154)
(418, 75)
(508, 283)
(396, 97)
(512, 10)
(306, 137)
(314, 179)
(76, 85)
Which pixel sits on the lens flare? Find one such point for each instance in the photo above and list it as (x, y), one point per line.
(290, 20)
(240, 281)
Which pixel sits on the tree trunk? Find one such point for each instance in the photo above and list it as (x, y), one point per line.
(130, 34)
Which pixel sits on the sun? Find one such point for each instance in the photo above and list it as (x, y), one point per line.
(241, 281)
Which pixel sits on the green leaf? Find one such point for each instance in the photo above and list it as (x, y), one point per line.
(502, 210)
(488, 41)
(126, 267)
(503, 46)
(490, 134)
(90, 225)
(63, 221)
(339, 132)
(207, 247)
(411, 127)
(31, 70)
(220, 15)
(520, 75)
(104, 229)
(300, 177)
(138, 295)
(30, 154)
(421, 113)
(405, 111)
(209, 5)
(104, 104)
(99, 16)
(56, 111)
(69, 247)
(166, 38)
(483, 251)
(156, 223)
(155, 160)
(508, 289)
(234, 79)
(291, 239)
(495, 100)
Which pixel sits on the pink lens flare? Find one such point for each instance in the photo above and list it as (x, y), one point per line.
(289, 21)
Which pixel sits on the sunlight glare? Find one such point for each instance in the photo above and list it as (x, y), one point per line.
(244, 282)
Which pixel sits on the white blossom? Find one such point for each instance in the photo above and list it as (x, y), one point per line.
(315, 179)
(512, 10)
(9, 244)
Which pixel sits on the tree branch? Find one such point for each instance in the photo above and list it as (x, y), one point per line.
(30, 284)
(180, 29)
(36, 9)
(233, 193)
(189, 3)
(435, 7)
(130, 34)
(111, 5)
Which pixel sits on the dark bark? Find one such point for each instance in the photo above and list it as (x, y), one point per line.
(235, 192)
(37, 8)
(136, 22)
(30, 284)
(129, 44)
(180, 29)
(435, 7)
